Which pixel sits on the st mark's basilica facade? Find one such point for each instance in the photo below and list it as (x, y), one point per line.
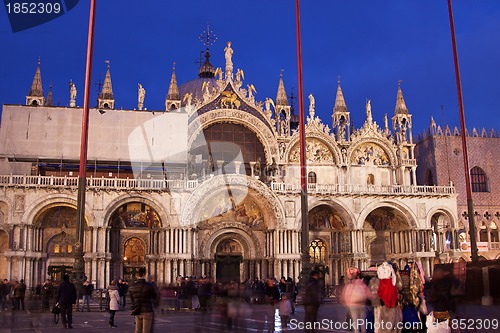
(211, 186)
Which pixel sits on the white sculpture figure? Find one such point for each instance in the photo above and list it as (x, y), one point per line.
(251, 91)
(240, 75)
(311, 105)
(228, 53)
(369, 111)
(188, 98)
(72, 94)
(206, 91)
(268, 104)
(141, 93)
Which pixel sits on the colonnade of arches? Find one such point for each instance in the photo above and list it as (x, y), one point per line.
(135, 236)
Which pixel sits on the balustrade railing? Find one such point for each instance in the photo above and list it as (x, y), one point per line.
(171, 184)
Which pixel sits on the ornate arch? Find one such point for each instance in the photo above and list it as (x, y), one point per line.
(379, 153)
(261, 130)
(243, 234)
(51, 201)
(124, 199)
(227, 184)
(312, 136)
(343, 211)
(400, 207)
(442, 210)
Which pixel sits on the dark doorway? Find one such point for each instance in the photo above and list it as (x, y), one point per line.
(228, 268)
(57, 272)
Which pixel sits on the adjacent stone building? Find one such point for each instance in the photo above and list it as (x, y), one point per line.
(210, 186)
(440, 160)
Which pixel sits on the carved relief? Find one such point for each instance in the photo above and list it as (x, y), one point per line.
(19, 202)
(290, 208)
(316, 152)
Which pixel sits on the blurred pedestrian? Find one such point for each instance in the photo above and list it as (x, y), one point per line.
(66, 297)
(46, 294)
(22, 294)
(355, 296)
(143, 296)
(285, 311)
(311, 298)
(87, 290)
(114, 302)
(6, 288)
(123, 290)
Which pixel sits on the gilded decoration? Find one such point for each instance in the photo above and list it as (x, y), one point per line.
(323, 217)
(369, 154)
(136, 215)
(383, 219)
(256, 192)
(235, 206)
(59, 217)
(316, 152)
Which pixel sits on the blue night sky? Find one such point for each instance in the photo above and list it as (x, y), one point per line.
(369, 44)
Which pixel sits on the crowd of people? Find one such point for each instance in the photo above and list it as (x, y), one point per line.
(381, 299)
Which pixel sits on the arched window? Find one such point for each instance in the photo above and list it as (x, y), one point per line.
(495, 242)
(311, 178)
(483, 233)
(478, 180)
(317, 251)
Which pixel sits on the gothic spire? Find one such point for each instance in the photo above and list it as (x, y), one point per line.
(49, 101)
(340, 105)
(281, 98)
(106, 98)
(400, 102)
(107, 87)
(173, 89)
(35, 95)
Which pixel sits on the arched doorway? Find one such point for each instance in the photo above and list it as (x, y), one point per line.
(387, 232)
(134, 254)
(58, 226)
(134, 229)
(228, 257)
(4, 246)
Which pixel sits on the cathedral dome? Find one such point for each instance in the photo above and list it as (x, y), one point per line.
(195, 87)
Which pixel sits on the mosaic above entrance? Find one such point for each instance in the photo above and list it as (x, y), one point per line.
(232, 207)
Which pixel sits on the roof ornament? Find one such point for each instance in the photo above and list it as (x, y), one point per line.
(312, 103)
(72, 94)
(141, 93)
(369, 118)
(228, 54)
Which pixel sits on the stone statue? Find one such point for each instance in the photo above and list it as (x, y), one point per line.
(311, 105)
(369, 111)
(228, 53)
(256, 169)
(268, 104)
(251, 91)
(283, 126)
(282, 150)
(240, 75)
(72, 94)
(141, 93)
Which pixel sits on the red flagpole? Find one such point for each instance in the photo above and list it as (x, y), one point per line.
(302, 133)
(78, 268)
(470, 205)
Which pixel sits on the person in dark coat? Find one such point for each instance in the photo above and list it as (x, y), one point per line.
(66, 297)
(143, 295)
(311, 298)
